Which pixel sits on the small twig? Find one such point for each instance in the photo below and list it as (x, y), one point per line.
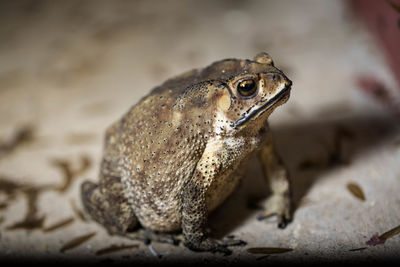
(76, 242)
(58, 225)
(114, 248)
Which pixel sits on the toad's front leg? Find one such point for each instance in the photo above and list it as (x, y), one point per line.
(280, 202)
(194, 208)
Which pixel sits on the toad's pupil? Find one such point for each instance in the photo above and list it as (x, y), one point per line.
(247, 87)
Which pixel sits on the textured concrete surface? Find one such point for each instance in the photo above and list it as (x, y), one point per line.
(68, 69)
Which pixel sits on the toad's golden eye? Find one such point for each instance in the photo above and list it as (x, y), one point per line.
(246, 87)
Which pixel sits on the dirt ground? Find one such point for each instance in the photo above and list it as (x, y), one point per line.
(68, 69)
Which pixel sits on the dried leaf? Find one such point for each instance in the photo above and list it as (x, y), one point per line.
(28, 223)
(390, 233)
(69, 174)
(381, 239)
(8, 186)
(58, 225)
(268, 250)
(85, 162)
(76, 242)
(375, 240)
(31, 220)
(31, 192)
(114, 248)
(356, 191)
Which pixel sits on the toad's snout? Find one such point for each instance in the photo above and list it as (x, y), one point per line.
(280, 78)
(274, 82)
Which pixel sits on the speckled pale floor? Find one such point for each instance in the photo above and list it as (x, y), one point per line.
(69, 69)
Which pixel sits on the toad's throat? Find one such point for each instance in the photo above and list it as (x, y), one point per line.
(259, 111)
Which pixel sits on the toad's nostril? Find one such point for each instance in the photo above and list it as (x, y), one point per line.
(275, 77)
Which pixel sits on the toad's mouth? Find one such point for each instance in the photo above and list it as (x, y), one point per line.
(246, 116)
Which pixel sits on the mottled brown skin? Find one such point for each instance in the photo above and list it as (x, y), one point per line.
(180, 152)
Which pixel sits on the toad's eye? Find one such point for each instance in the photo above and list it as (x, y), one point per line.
(246, 87)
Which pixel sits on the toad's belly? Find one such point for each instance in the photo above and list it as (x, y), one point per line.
(161, 210)
(223, 186)
(157, 212)
(165, 214)
(160, 216)
(157, 202)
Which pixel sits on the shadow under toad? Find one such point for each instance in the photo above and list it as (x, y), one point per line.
(310, 150)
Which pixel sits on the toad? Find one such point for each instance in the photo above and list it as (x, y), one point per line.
(181, 150)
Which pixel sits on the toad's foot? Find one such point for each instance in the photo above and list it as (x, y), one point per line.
(280, 206)
(213, 245)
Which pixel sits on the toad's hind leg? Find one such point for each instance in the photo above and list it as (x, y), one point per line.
(106, 204)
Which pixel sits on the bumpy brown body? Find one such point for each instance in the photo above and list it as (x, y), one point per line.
(179, 152)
